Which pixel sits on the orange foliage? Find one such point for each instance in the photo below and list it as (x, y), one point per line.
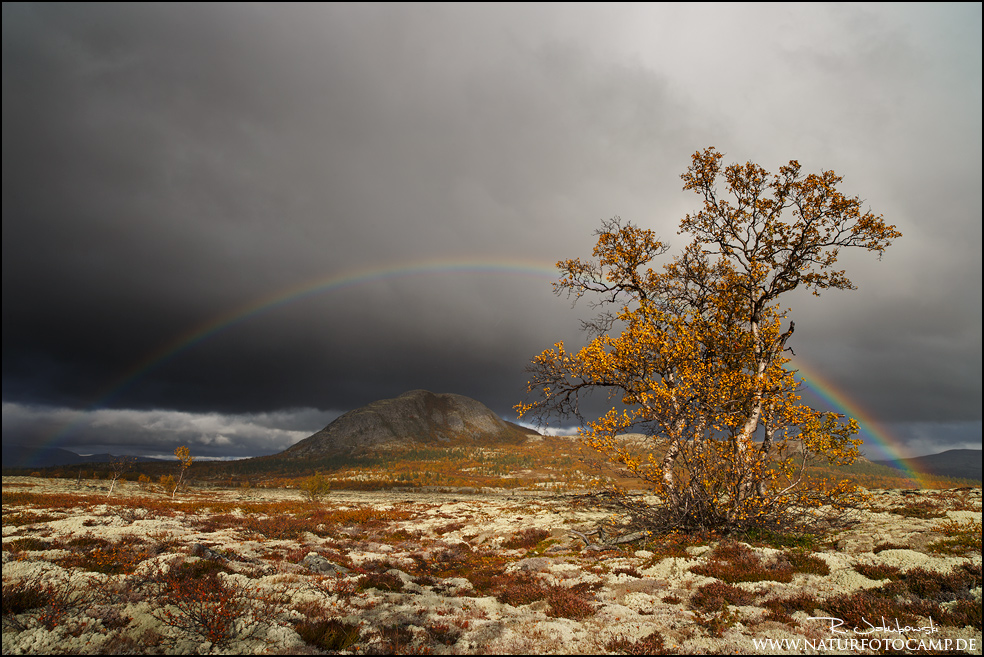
(697, 361)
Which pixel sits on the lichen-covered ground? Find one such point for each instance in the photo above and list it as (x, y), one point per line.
(264, 571)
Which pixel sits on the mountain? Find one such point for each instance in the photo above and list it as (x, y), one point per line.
(22, 456)
(959, 463)
(415, 418)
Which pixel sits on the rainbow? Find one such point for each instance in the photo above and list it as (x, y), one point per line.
(297, 292)
(872, 432)
(314, 287)
(234, 316)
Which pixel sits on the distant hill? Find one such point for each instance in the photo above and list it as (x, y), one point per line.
(958, 463)
(415, 418)
(22, 456)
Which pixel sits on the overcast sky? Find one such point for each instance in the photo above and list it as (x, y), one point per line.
(169, 169)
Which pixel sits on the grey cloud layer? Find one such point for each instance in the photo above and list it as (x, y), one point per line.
(163, 167)
(154, 433)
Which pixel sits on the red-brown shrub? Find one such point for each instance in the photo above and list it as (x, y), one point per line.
(193, 598)
(735, 562)
(328, 634)
(526, 539)
(716, 596)
(519, 589)
(653, 644)
(47, 601)
(569, 602)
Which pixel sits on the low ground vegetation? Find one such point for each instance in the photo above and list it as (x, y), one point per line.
(549, 463)
(497, 571)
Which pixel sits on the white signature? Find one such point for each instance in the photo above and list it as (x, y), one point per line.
(898, 628)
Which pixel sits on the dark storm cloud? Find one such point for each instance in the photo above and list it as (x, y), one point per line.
(165, 166)
(208, 157)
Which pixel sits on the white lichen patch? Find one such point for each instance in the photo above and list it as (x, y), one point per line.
(909, 559)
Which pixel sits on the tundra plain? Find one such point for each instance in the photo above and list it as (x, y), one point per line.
(469, 571)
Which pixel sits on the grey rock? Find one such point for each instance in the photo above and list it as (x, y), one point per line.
(453, 585)
(202, 552)
(533, 564)
(318, 564)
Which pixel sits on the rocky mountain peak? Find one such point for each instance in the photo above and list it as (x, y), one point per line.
(417, 417)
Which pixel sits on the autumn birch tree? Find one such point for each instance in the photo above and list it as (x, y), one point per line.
(694, 352)
(120, 465)
(185, 459)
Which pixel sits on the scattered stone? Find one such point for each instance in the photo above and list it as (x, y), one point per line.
(318, 564)
(203, 552)
(532, 565)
